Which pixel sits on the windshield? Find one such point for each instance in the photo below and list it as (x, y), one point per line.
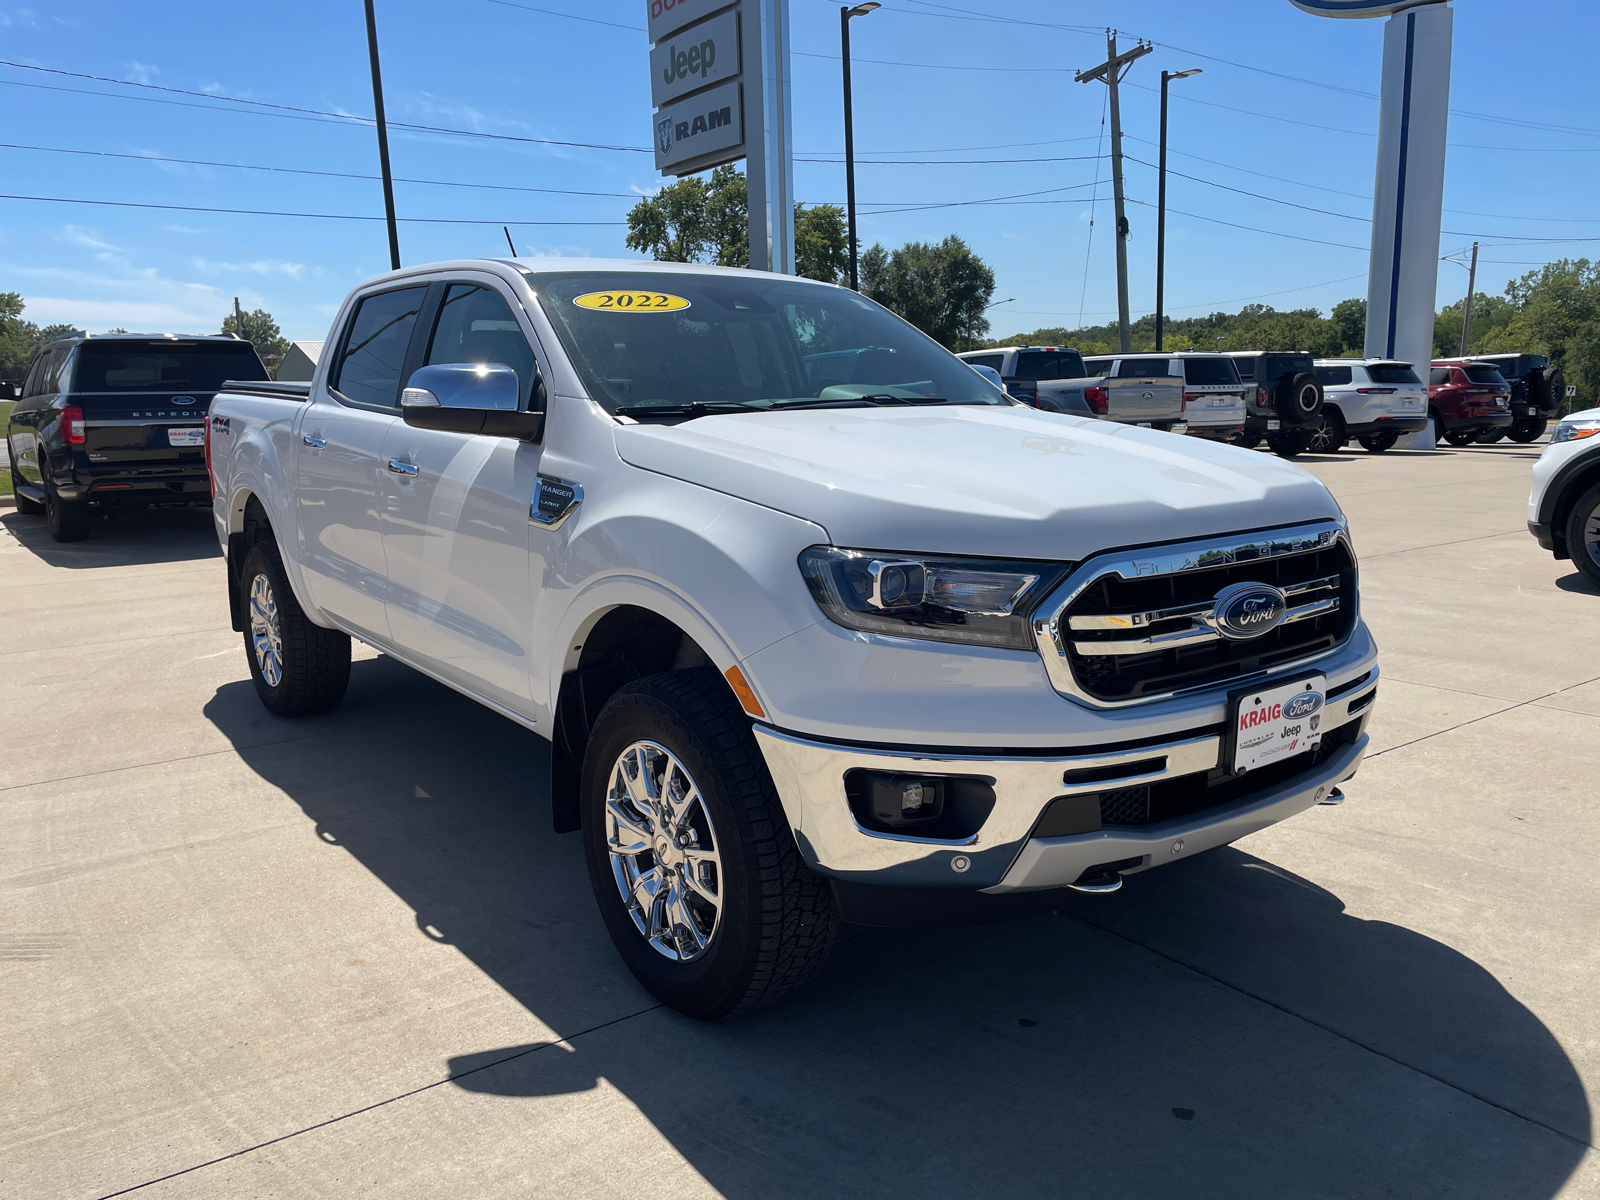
(653, 340)
(1391, 373)
(164, 366)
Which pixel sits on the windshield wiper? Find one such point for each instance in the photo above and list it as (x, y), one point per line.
(886, 398)
(696, 409)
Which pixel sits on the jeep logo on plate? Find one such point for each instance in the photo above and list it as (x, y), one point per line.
(1248, 610)
(183, 401)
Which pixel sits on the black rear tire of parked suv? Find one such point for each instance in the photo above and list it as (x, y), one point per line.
(1583, 535)
(1463, 437)
(1249, 440)
(68, 519)
(707, 899)
(298, 668)
(1286, 443)
(1528, 431)
(1490, 436)
(1327, 436)
(1301, 400)
(1377, 443)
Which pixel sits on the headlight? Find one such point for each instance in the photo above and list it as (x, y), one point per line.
(1569, 431)
(979, 601)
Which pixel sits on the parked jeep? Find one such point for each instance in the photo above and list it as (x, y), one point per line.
(1538, 390)
(1288, 399)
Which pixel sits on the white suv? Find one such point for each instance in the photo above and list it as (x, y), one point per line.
(1373, 400)
(1564, 502)
(1213, 394)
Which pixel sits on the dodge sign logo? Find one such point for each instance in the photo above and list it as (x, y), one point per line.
(664, 135)
(1248, 610)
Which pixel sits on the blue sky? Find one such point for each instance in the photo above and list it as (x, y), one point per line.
(992, 81)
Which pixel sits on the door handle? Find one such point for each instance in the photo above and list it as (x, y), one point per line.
(402, 468)
(315, 442)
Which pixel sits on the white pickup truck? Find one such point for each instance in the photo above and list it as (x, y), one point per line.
(821, 625)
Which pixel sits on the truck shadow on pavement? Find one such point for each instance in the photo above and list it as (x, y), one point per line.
(140, 537)
(1219, 1028)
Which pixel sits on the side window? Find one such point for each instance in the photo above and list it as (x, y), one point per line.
(35, 381)
(1028, 364)
(476, 325)
(1334, 376)
(1097, 366)
(368, 370)
(1438, 375)
(1247, 368)
(60, 378)
(986, 360)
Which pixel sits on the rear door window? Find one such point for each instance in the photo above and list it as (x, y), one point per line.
(1392, 373)
(1203, 371)
(1097, 366)
(1334, 376)
(374, 351)
(1438, 376)
(1143, 368)
(476, 325)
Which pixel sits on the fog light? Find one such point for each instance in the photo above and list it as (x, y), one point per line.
(904, 799)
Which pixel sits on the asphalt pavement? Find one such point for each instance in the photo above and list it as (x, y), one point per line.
(345, 956)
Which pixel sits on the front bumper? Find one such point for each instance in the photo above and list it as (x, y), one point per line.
(1003, 856)
(1542, 535)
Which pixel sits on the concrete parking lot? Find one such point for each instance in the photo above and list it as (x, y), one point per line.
(346, 956)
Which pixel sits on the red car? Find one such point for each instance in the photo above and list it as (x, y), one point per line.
(1466, 400)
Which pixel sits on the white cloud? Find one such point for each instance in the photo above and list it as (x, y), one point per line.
(183, 229)
(77, 235)
(265, 266)
(140, 72)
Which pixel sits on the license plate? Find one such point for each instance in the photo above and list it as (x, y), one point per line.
(1274, 426)
(1274, 723)
(189, 435)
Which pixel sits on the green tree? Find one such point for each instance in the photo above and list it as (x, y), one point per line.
(17, 338)
(1349, 319)
(942, 288)
(699, 219)
(261, 331)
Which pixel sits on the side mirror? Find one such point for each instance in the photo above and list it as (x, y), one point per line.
(469, 398)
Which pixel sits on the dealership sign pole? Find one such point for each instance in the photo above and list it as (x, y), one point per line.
(719, 80)
(1408, 193)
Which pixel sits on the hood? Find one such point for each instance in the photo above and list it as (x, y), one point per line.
(1001, 482)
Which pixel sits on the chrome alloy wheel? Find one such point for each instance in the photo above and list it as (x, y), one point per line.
(663, 851)
(265, 638)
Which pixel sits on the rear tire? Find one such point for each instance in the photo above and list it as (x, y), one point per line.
(1287, 443)
(1490, 436)
(1377, 443)
(1528, 430)
(1249, 440)
(68, 519)
(1583, 535)
(1464, 438)
(298, 668)
(706, 898)
(1327, 436)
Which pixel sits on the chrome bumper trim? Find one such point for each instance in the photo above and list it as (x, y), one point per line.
(1057, 862)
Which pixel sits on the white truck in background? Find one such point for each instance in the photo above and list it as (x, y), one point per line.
(1057, 379)
(821, 625)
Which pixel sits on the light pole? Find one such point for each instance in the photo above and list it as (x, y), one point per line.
(383, 138)
(845, 14)
(1161, 201)
(1472, 283)
(986, 308)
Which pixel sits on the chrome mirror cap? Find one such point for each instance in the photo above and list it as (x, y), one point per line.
(463, 385)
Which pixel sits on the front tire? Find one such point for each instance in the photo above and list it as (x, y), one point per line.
(691, 857)
(1583, 535)
(1377, 443)
(298, 668)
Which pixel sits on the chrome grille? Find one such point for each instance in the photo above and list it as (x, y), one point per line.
(1127, 629)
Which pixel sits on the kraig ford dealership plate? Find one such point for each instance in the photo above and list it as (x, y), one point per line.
(1275, 723)
(186, 435)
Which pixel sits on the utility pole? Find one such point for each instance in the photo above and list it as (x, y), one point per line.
(845, 13)
(1110, 73)
(1472, 283)
(383, 138)
(238, 318)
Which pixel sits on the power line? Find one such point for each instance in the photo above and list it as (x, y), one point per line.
(1327, 212)
(1204, 304)
(1255, 229)
(261, 212)
(550, 12)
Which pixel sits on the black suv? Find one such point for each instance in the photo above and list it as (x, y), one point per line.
(118, 420)
(1537, 393)
(1287, 403)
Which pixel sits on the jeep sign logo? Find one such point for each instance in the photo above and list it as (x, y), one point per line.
(702, 124)
(693, 58)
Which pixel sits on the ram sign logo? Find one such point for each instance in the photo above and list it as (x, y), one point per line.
(1248, 610)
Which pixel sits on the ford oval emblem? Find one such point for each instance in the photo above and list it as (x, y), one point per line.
(183, 401)
(1303, 705)
(1248, 610)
